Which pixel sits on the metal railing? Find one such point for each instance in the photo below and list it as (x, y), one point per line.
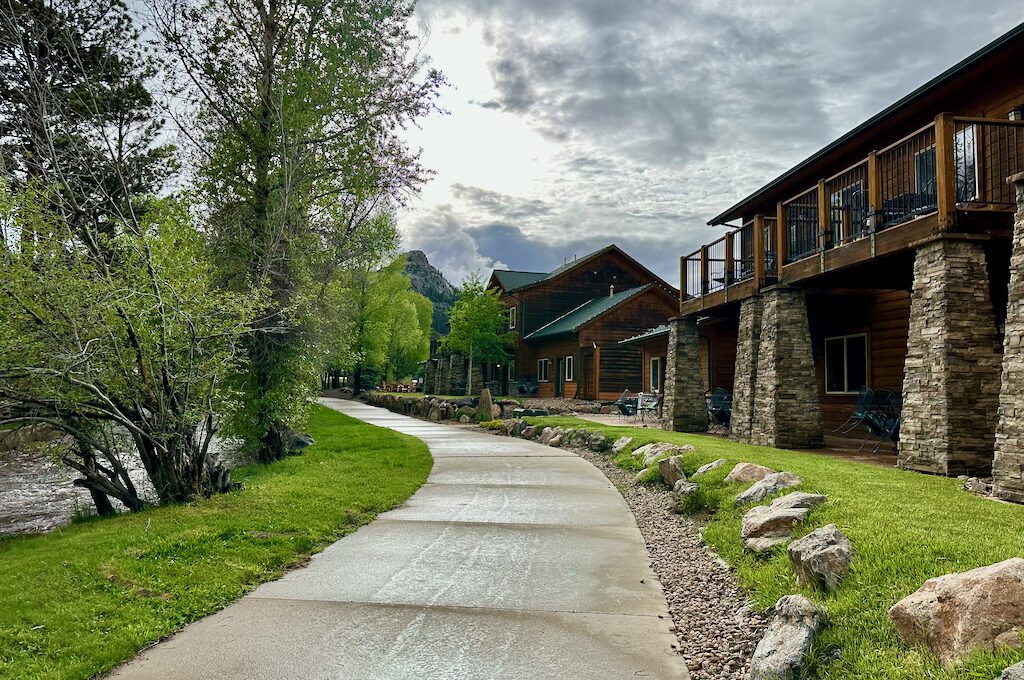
(985, 153)
(694, 286)
(801, 220)
(848, 207)
(908, 178)
(743, 253)
(716, 270)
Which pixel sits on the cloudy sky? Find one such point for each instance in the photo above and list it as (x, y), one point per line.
(577, 123)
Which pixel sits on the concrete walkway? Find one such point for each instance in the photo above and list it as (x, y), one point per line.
(514, 560)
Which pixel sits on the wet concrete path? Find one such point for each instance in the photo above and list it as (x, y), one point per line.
(514, 560)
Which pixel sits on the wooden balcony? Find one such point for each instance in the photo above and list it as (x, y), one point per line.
(916, 188)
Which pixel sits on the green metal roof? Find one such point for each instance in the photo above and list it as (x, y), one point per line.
(584, 314)
(920, 92)
(511, 280)
(646, 335)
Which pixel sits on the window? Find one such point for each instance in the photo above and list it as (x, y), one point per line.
(849, 212)
(511, 318)
(924, 177)
(568, 368)
(846, 364)
(511, 370)
(655, 374)
(542, 370)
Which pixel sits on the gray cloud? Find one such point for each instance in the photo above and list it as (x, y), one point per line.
(664, 113)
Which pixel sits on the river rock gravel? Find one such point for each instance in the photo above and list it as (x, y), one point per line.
(714, 622)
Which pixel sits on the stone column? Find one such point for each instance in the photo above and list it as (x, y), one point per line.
(1008, 465)
(457, 374)
(478, 377)
(951, 373)
(684, 392)
(444, 372)
(787, 413)
(748, 345)
(430, 376)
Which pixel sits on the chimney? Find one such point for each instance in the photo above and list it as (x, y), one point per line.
(1016, 113)
(611, 289)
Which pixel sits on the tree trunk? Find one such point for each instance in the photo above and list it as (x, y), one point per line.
(469, 376)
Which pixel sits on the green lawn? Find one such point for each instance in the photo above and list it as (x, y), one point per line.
(78, 601)
(905, 527)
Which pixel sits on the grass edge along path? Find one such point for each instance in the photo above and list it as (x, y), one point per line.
(82, 599)
(906, 527)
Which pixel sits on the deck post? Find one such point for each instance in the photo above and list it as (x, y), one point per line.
(781, 239)
(705, 274)
(758, 251)
(824, 219)
(729, 268)
(682, 281)
(945, 171)
(874, 190)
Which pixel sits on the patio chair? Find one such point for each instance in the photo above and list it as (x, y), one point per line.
(651, 407)
(626, 405)
(720, 408)
(865, 396)
(883, 418)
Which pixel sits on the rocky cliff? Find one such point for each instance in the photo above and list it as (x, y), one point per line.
(429, 282)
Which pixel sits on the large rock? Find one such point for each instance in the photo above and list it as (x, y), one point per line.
(821, 558)
(773, 483)
(956, 614)
(748, 472)
(1014, 672)
(465, 411)
(766, 526)
(620, 444)
(780, 653)
(655, 450)
(709, 466)
(529, 432)
(547, 433)
(435, 412)
(684, 488)
(580, 438)
(671, 470)
(599, 443)
(485, 408)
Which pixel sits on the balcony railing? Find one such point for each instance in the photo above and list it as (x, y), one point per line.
(954, 163)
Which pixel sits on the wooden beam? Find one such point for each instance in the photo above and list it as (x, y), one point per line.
(729, 268)
(781, 239)
(682, 280)
(874, 190)
(705, 272)
(945, 171)
(824, 234)
(758, 250)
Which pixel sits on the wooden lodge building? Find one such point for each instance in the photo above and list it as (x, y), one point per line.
(887, 259)
(567, 325)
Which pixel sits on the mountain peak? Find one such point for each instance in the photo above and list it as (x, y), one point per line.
(429, 282)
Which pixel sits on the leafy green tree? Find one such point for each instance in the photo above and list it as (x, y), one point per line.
(477, 326)
(124, 347)
(300, 106)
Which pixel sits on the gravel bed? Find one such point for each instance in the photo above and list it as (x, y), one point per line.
(716, 628)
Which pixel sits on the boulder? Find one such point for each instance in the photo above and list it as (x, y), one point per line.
(956, 614)
(799, 499)
(435, 412)
(580, 438)
(821, 558)
(464, 419)
(599, 443)
(671, 470)
(655, 450)
(620, 444)
(495, 411)
(507, 426)
(780, 653)
(710, 466)
(294, 442)
(556, 440)
(546, 434)
(1014, 672)
(529, 432)
(520, 427)
(466, 401)
(773, 483)
(485, 408)
(765, 527)
(465, 411)
(748, 472)
(683, 488)
(606, 410)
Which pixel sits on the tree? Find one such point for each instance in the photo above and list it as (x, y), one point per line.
(477, 323)
(76, 115)
(299, 107)
(124, 347)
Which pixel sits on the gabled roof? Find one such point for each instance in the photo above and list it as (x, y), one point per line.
(918, 94)
(572, 321)
(646, 335)
(523, 279)
(512, 280)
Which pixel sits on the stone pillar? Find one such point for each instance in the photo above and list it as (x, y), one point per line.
(951, 373)
(684, 391)
(478, 377)
(748, 346)
(457, 373)
(787, 413)
(444, 372)
(1008, 465)
(430, 376)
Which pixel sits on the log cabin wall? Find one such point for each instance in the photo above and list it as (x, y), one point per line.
(718, 353)
(553, 350)
(884, 319)
(655, 348)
